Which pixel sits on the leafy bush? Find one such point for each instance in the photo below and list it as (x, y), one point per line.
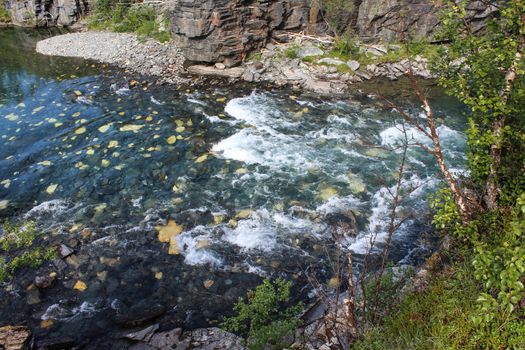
(4, 15)
(292, 52)
(346, 45)
(443, 317)
(17, 241)
(124, 18)
(263, 320)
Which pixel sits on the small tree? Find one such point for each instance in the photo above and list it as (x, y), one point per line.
(485, 70)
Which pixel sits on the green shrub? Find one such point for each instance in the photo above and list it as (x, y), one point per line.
(124, 18)
(263, 320)
(346, 45)
(292, 52)
(4, 15)
(17, 245)
(443, 317)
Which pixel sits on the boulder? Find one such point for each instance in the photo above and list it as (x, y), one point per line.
(331, 61)
(14, 337)
(309, 51)
(387, 20)
(227, 31)
(353, 65)
(235, 73)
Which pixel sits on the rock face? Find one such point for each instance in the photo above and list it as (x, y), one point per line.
(390, 20)
(47, 12)
(227, 30)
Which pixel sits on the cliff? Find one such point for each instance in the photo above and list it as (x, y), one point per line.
(227, 30)
(46, 12)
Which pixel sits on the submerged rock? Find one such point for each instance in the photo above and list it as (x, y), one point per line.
(139, 314)
(14, 337)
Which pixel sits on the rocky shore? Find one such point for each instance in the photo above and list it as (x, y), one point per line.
(308, 69)
(147, 57)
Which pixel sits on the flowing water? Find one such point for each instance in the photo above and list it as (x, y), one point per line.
(259, 182)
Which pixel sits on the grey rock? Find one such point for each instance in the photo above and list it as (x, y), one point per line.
(65, 251)
(248, 76)
(142, 335)
(215, 338)
(258, 65)
(376, 50)
(166, 340)
(121, 49)
(227, 31)
(309, 51)
(209, 70)
(220, 66)
(45, 281)
(353, 65)
(33, 296)
(141, 346)
(363, 75)
(47, 12)
(331, 61)
(386, 20)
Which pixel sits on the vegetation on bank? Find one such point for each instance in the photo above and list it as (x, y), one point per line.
(128, 17)
(264, 320)
(478, 302)
(4, 15)
(477, 299)
(19, 250)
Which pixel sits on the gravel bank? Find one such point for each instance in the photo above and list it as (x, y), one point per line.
(147, 57)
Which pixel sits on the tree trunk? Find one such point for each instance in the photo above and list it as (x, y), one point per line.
(493, 187)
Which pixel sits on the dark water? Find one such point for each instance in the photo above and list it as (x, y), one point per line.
(258, 181)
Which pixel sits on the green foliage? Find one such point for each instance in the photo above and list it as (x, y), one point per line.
(18, 243)
(292, 52)
(480, 303)
(381, 294)
(346, 45)
(474, 68)
(263, 320)
(499, 264)
(123, 17)
(4, 15)
(443, 317)
(346, 48)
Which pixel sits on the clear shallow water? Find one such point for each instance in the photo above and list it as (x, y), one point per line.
(261, 182)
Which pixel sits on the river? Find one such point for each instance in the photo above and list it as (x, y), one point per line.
(254, 181)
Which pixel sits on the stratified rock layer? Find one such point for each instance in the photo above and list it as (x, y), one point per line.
(391, 20)
(226, 31)
(47, 12)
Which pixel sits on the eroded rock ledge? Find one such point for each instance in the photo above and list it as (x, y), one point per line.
(322, 75)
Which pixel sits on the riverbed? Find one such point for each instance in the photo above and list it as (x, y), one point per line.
(249, 181)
